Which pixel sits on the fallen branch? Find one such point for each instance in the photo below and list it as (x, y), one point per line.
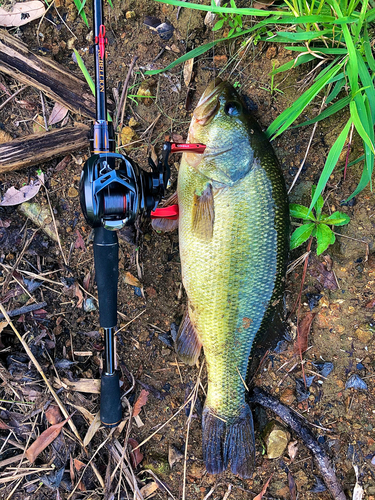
(17, 61)
(300, 426)
(38, 148)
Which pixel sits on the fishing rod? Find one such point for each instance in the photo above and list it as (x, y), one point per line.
(113, 191)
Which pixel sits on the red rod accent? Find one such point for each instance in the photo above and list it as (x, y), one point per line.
(165, 213)
(190, 148)
(101, 40)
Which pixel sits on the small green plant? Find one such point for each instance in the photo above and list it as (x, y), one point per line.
(315, 224)
(234, 21)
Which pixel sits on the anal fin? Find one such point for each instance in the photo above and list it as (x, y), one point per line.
(187, 344)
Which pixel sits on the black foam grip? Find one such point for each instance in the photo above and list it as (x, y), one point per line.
(110, 402)
(106, 271)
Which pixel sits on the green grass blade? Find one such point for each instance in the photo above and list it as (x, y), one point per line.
(227, 10)
(367, 83)
(327, 112)
(336, 90)
(359, 125)
(294, 63)
(288, 116)
(287, 37)
(80, 6)
(368, 52)
(330, 163)
(321, 50)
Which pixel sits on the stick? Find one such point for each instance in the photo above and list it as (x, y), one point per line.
(24, 310)
(301, 427)
(122, 104)
(39, 368)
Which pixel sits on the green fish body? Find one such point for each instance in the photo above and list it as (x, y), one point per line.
(233, 237)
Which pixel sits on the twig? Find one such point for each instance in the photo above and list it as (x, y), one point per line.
(301, 427)
(54, 223)
(44, 111)
(38, 367)
(124, 95)
(12, 96)
(24, 310)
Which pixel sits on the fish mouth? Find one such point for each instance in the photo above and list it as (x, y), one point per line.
(209, 103)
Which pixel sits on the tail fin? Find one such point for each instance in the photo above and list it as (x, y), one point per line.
(227, 443)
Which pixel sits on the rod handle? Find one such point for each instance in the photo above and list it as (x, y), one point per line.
(110, 400)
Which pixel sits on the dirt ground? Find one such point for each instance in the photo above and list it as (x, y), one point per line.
(63, 335)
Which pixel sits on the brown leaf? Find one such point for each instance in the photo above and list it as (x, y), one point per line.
(21, 13)
(149, 489)
(141, 401)
(4, 426)
(371, 304)
(135, 455)
(4, 223)
(132, 280)
(93, 429)
(15, 196)
(86, 282)
(323, 272)
(63, 163)
(79, 243)
(58, 113)
(264, 489)
(79, 295)
(53, 414)
(188, 71)
(78, 465)
(44, 440)
(303, 330)
(292, 487)
(292, 449)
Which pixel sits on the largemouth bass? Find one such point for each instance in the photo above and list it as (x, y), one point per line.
(233, 236)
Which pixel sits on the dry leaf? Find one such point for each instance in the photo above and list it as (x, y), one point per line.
(14, 196)
(21, 13)
(303, 331)
(209, 20)
(86, 282)
(4, 223)
(57, 114)
(292, 449)
(79, 243)
(135, 455)
(148, 489)
(44, 440)
(79, 295)
(141, 401)
(95, 424)
(132, 280)
(4, 426)
(63, 163)
(53, 414)
(292, 487)
(78, 465)
(188, 71)
(264, 489)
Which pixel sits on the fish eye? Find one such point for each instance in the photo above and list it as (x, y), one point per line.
(233, 108)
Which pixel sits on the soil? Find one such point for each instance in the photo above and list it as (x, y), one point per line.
(339, 287)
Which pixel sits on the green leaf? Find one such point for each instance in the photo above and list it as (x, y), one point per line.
(301, 234)
(331, 161)
(337, 219)
(368, 52)
(300, 212)
(325, 237)
(336, 90)
(321, 50)
(293, 63)
(218, 25)
(367, 82)
(319, 202)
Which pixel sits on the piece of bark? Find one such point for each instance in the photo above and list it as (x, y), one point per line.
(53, 79)
(38, 148)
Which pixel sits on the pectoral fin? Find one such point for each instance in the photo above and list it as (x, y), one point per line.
(204, 213)
(164, 225)
(187, 344)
